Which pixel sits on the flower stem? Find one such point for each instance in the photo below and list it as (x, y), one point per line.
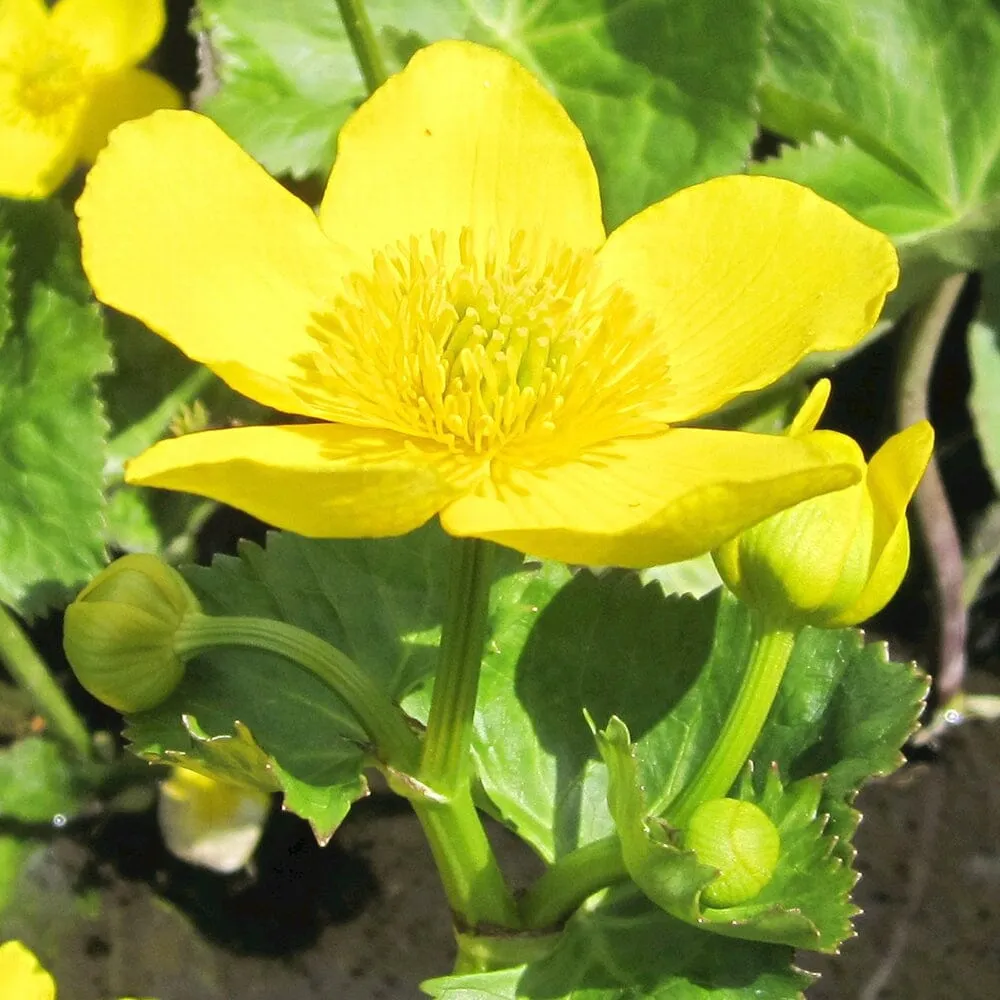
(772, 648)
(380, 718)
(32, 675)
(444, 766)
(476, 889)
(472, 879)
(581, 873)
(362, 39)
(918, 352)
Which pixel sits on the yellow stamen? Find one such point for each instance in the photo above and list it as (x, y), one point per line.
(508, 350)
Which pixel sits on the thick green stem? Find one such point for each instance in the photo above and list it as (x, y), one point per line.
(380, 718)
(472, 878)
(758, 689)
(476, 889)
(362, 39)
(445, 763)
(571, 880)
(32, 675)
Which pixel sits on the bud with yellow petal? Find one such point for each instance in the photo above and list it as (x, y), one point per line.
(119, 632)
(836, 559)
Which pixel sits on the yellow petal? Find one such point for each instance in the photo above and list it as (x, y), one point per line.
(111, 34)
(746, 275)
(321, 480)
(19, 21)
(21, 975)
(894, 473)
(811, 410)
(464, 136)
(650, 500)
(120, 97)
(183, 230)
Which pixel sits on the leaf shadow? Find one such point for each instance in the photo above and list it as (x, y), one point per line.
(608, 645)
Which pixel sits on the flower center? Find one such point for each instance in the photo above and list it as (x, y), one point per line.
(49, 77)
(511, 349)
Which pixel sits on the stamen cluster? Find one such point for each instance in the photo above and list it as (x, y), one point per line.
(485, 349)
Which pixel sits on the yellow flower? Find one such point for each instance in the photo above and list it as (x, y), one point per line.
(67, 77)
(461, 334)
(836, 559)
(21, 976)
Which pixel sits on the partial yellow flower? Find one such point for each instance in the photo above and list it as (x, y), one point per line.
(212, 823)
(68, 76)
(461, 335)
(21, 975)
(836, 559)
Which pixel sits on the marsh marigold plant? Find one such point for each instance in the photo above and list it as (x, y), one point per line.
(460, 334)
(68, 76)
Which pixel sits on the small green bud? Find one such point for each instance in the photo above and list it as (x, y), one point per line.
(739, 839)
(119, 632)
(836, 559)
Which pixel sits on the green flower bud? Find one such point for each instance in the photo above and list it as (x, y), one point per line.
(739, 839)
(838, 558)
(119, 632)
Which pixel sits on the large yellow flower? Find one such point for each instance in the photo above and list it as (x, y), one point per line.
(461, 334)
(67, 77)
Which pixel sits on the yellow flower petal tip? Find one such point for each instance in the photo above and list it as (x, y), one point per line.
(22, 976)
(211, 823)
(837, 559)
(67, 77)
(461, 334)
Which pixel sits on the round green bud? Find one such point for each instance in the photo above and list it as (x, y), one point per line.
(739, 839)
(119, 632)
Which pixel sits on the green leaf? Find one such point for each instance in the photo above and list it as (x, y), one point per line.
(806, 903)
(984, 360)
(844, 710)
(641, 80)
(669, 668)
(15, 853)
(879, 92)
(619, 945)
(261, 719)
(52, 427)
(155, 388)
(37, 783)
(606, 644)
